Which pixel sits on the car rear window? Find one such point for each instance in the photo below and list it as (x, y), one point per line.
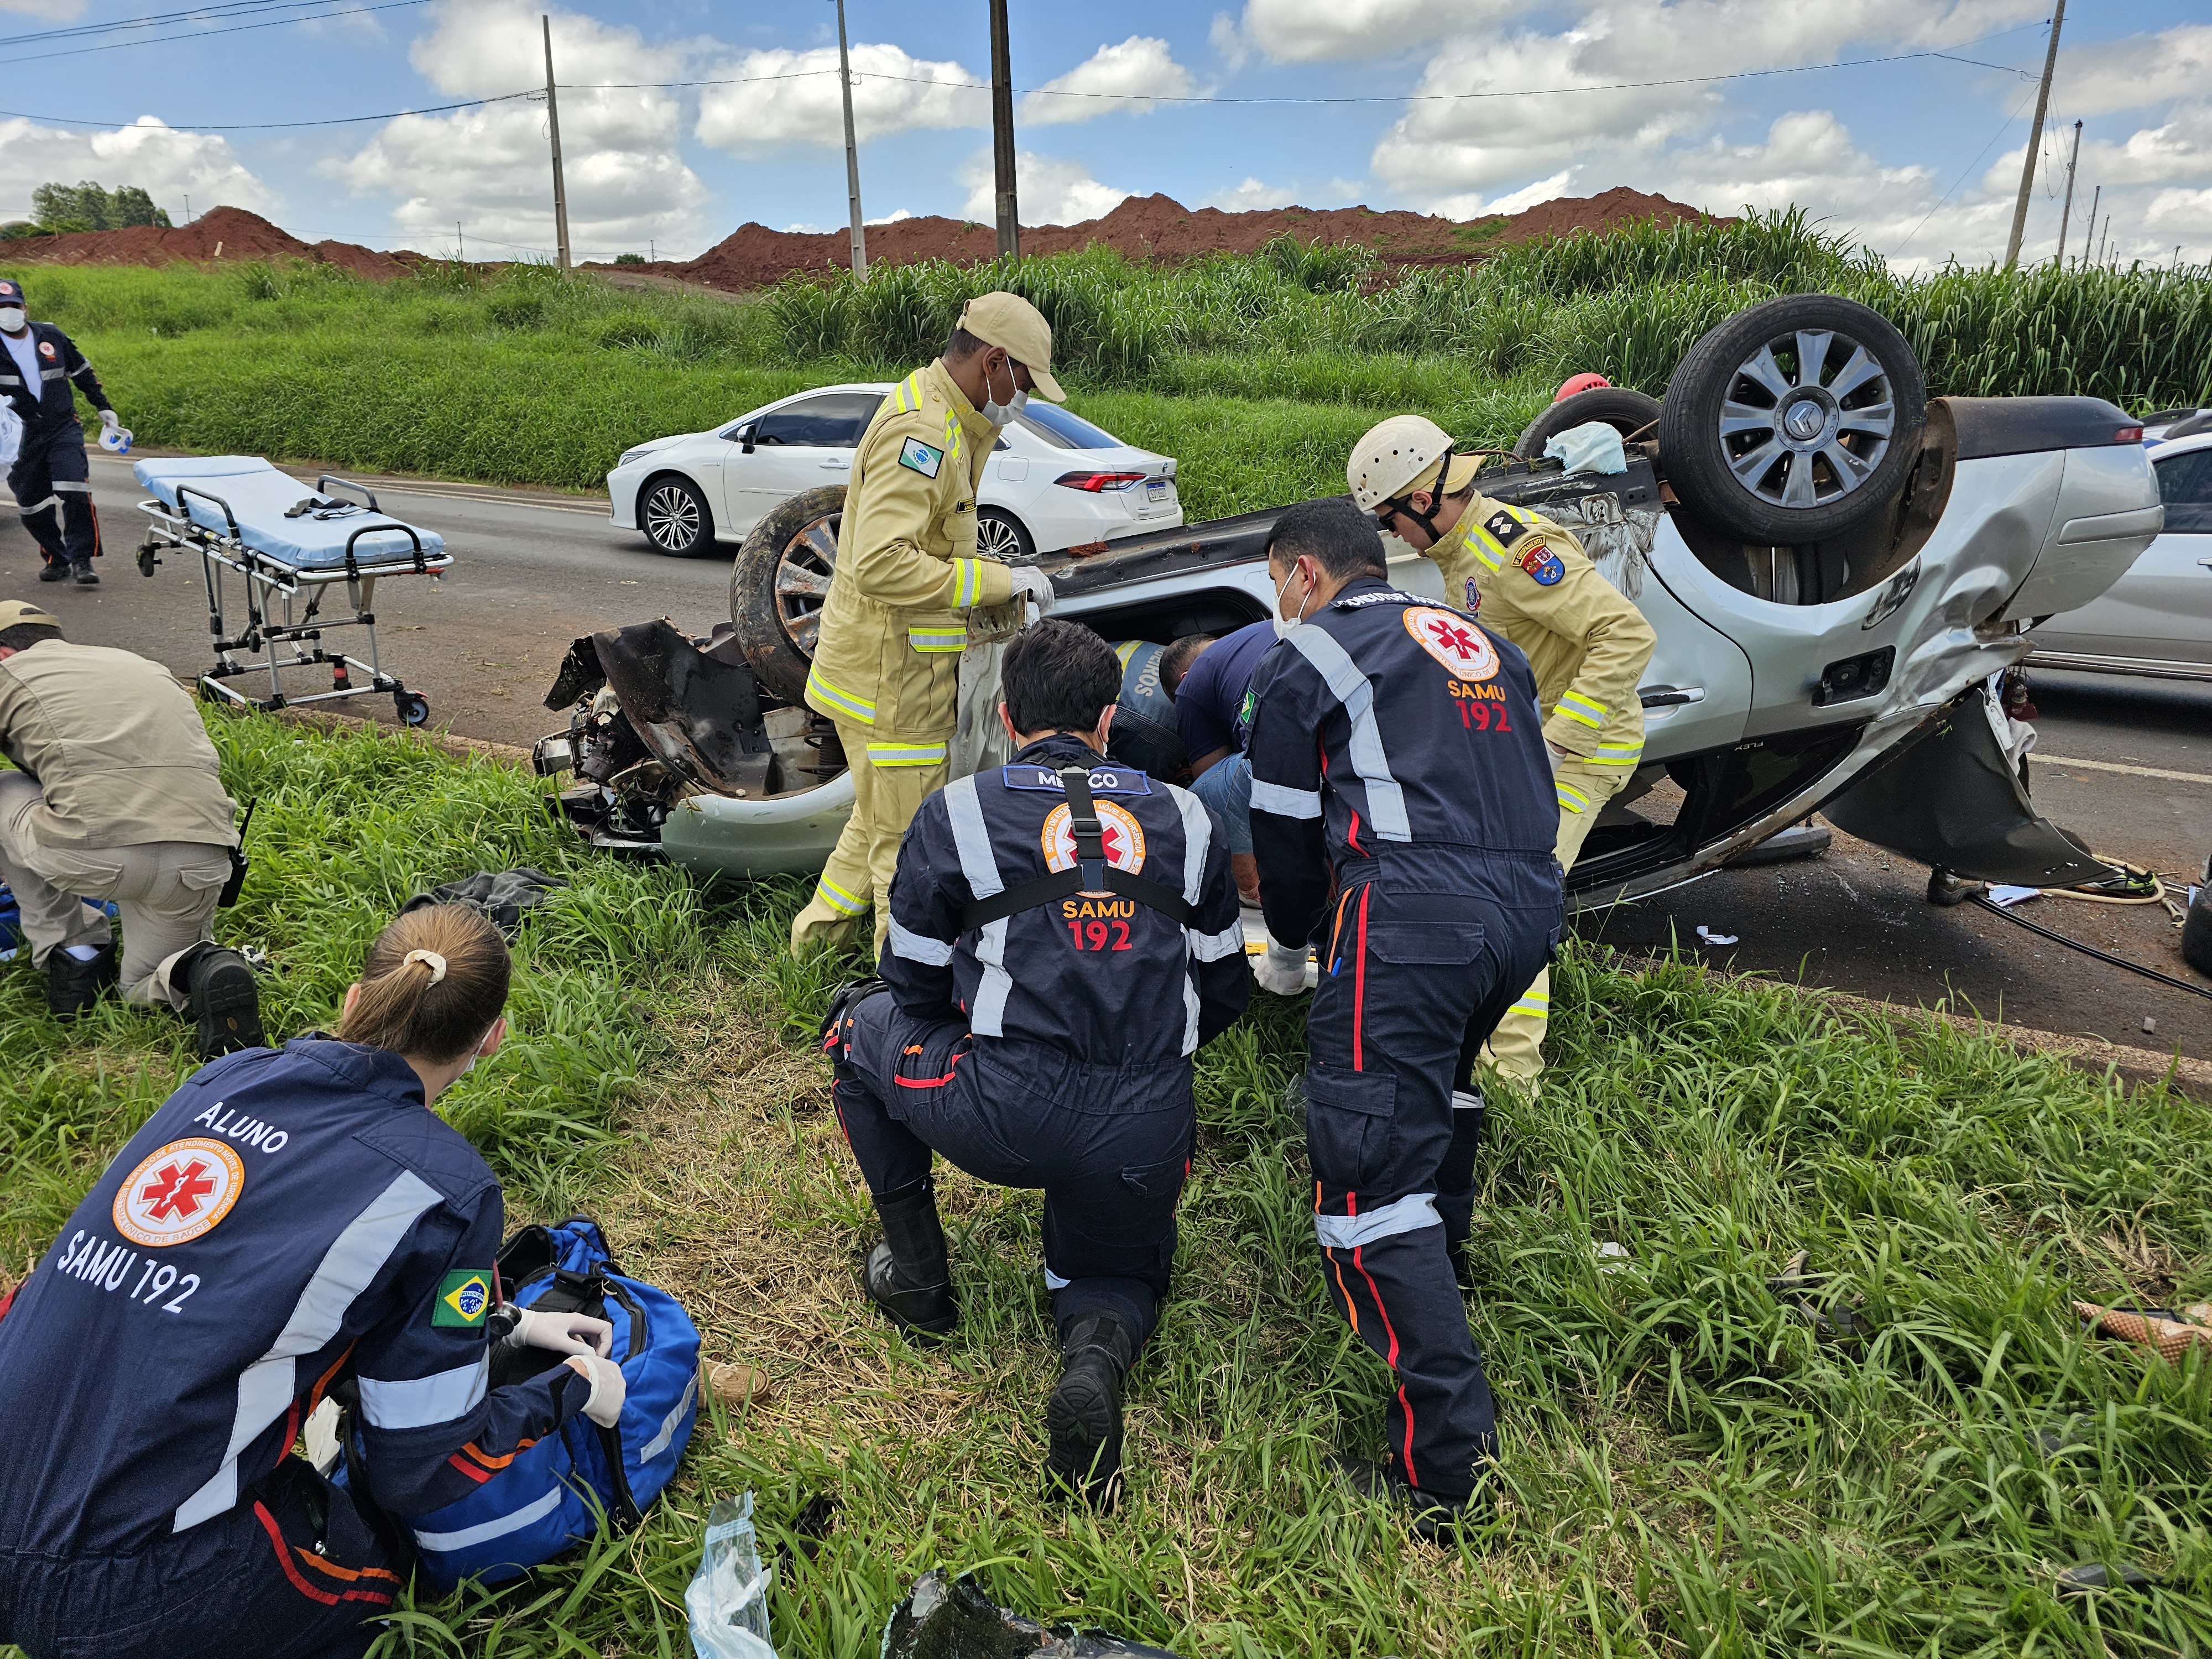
(833, 421)
(2185, 484)
(1063, 430)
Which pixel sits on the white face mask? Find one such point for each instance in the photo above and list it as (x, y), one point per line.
(1286, 626)
(999, 414)
(12, 319)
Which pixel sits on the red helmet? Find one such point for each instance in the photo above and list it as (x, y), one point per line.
(1578, 383)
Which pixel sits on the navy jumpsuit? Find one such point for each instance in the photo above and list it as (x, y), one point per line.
(289, 1222)
(1403, 817)
(52, 477)
(1051, 1048)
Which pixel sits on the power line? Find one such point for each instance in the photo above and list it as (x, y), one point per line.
(207, 35)
(222, 11)
(1962, 179)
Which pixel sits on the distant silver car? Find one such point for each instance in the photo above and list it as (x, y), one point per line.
(2156, 620)
(1837, 569)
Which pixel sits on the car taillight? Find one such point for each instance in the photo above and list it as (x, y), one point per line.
(1095, 482)
(2128, 434)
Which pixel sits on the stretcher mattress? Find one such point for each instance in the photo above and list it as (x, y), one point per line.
(260, 495)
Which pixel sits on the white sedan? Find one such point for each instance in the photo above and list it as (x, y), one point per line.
(1054, 482)
(2157, 619)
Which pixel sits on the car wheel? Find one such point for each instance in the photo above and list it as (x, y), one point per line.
(779, 583)
(1794, 420)
(1632, 414)
(999, 535)
(675, 517)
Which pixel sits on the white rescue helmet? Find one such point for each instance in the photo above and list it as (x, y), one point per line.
(1393, 457)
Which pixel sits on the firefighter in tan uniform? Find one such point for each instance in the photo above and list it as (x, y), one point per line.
(886, 669)
(1530, 580)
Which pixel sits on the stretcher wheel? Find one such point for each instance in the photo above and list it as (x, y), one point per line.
(414, 707)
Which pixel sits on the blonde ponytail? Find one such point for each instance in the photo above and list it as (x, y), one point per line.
(435, 980)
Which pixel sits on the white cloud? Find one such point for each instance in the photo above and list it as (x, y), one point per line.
(892, 217)
(59, 11)
(1228, 41)
(1124, 78)
(1312, 30)
(1050, 191)
(2133, 73)
(893, 92)
(1250, 196)
(165, 162)
(492, 167)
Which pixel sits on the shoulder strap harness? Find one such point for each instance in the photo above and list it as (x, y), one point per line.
(1090, 873)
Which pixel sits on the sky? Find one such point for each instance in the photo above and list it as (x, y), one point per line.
(1904, 124)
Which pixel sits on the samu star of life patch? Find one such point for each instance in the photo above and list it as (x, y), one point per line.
(463, 1299)
(921, 457)
(178, 1192)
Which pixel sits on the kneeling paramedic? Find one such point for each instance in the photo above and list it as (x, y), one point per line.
(1403, 815)
(41, 370)
(1063, 937)
(289, 1224)
(118, 797)
(1530, 580)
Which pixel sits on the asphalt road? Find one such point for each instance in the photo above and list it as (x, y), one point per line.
(2127, 764)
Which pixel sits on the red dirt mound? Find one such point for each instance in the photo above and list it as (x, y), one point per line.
(223, 233)
(1161, 228)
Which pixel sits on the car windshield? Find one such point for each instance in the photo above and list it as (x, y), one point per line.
(1062, 430)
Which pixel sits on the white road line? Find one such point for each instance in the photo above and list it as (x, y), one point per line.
(2042, 759)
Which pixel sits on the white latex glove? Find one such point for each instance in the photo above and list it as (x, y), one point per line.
(1030, 583)
(604, 1405)
(109, 417)
(1280, 968)
(562, 1333)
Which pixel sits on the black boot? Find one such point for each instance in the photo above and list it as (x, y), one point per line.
(85, 575)
(54, 570)
(908, 1275)
(72, 986)
(1435, 1519)
(224, 1001)
(1084, 1416)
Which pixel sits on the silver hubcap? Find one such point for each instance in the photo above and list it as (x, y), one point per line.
(998, 539)
(1807, 419)
(671, 517)
(802, 581)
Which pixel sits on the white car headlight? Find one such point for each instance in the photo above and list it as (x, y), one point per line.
(629, 455)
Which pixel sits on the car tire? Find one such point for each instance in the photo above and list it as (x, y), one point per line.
(778, 585)
(1000, 535)
(673, 514)
(1631, 413)
(1757, 446)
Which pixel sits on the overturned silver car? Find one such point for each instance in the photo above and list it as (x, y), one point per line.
(1836, 566)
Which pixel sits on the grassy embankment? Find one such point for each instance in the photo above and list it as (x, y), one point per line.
(1258, 372)
(1688, 1468)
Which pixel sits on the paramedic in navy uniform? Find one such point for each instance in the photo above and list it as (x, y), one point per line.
(291, 1220)
(1403, 817)
(50, 479)
(1039, 1003)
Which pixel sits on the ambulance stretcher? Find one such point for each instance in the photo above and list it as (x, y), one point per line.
(289, 546)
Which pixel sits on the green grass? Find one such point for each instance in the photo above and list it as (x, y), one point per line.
(1688, 1470)
(528, 378)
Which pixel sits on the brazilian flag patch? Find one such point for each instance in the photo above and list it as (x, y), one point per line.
(463, 1299)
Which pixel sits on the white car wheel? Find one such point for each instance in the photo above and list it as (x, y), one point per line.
(675, 517)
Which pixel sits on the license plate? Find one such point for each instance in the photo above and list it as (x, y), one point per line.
(1156, 489)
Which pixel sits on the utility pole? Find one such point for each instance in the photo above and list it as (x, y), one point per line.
(2066, 213)
(1002, 133)
(2089, 230)
(553, 121)
(2101, 239)
(851, 153)
(2034, 140)
(461, 242)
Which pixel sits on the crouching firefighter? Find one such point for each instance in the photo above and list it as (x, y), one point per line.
(1403, 815)
(1063, 937)
(291, 1226)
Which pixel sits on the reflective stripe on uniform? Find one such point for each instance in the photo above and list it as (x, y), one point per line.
(1212, 947)
(426, 1400)
(1485, 547)
(906, 396)
(52, 374)
(1617, 754)
(1385, 802)
(484, 1531)
(938, 638)
(1571, 799)
(837, 898)
(1408, 1215)
(1197, 836)
(1284, 803)
(1463, 1101)
(909, 754)
(844, 701)
(967, 585)
(951, 436)
(920, 947)
(68, 487)
(1576, 707)
(971, 839)
(1536, 1003)
(1126, 650)
(267, 1388)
